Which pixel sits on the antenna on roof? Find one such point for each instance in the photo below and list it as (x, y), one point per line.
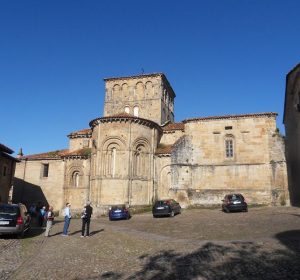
(143, 71)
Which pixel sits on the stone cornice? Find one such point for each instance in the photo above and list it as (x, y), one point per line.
(255, 115)
(125, 118)
(134, 77)
(85, 133)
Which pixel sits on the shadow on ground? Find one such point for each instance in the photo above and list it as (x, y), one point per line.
(234, 260)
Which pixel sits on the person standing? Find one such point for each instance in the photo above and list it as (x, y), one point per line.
(86, 219)
(41, 216)
(67, 214)
(49, 219)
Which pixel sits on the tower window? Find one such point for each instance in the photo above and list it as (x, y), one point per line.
(136, 111)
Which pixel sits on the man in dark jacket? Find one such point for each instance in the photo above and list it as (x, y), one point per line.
(86, 219)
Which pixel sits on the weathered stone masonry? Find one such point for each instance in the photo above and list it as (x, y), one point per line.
(135, 154)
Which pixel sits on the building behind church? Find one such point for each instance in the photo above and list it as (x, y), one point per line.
(136, 153)
(291, 121)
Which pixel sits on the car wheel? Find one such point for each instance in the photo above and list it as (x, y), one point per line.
(154, 216)
(172, 214)
(226, 210)
(246, 210)
(21, 234)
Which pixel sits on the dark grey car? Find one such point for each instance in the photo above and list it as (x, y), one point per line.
(234, 202)
(166, 207)
(14, 219)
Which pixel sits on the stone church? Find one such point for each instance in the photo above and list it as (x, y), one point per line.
(136, 153)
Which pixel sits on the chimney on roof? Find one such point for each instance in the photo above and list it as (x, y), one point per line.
(20, 153)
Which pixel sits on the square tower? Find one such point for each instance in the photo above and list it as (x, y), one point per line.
(148, 96)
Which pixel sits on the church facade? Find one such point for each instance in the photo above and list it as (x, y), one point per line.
(136, 153)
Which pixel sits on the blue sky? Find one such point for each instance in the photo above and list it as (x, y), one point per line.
(221, 57)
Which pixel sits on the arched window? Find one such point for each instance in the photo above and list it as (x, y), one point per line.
(140, 161)
(139, 90)
(127, 109)
(125, 91)
(75, 179)
(110, 166)
(136, 111)
(149, 89)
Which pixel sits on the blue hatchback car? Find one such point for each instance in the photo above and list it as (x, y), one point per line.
(118, 212)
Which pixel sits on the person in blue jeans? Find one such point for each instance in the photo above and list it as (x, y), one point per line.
(67, 214)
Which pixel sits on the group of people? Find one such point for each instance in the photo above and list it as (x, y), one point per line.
(40, 212)
(44, 215)
(85, 216)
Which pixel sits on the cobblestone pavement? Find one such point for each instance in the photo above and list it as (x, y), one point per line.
(198, 244)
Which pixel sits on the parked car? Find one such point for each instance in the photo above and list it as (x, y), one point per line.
(118, 212)
(234, 202)
(167, 207)
(14, 219)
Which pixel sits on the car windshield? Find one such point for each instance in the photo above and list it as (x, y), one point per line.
(8, 211)
(162, 202)
(235, 197)
(118, 207)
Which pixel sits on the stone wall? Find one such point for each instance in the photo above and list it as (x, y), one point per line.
(201, 172)
(31, 187)
(292, 131)
(149, 96)
(122, 161)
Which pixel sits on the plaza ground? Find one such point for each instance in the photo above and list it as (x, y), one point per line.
(198, 244)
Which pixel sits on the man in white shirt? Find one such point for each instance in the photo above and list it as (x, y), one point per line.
(67, 214)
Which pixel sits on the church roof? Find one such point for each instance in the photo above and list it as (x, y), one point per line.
(124, 116)
(85, 152)
(173, 126)
(255, 115)
(165, 149)
(47, 155)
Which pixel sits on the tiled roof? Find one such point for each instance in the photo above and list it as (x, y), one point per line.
(166, 149)
(81, 153)
(59, 154)
(125, 116)
(47, 155)
(121, 115)
(270, 114)
(5, 149)
(173, 126)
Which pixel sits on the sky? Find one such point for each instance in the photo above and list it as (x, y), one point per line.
(221, 57)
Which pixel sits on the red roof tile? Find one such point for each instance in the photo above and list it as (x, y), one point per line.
(47, 155)
(59, 154)
(166, 149)
(173, 126)
(81, 152)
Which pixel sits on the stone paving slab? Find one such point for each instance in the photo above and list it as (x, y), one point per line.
(147, 248)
